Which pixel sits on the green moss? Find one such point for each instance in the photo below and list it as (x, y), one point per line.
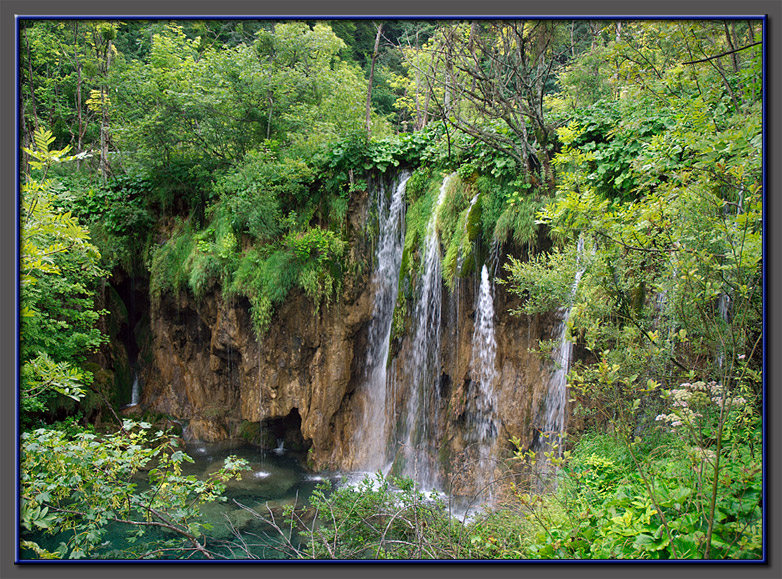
(123, 381)
(473, 220)
(168, 271)
(459, 230)
(144, 339)
(214, 412)
(416, 221)
(204, 273)
(419, 184)
(444, 455)
(508, 210)
(398, 326)
(265, 278)
(517, 222)
(457, 199)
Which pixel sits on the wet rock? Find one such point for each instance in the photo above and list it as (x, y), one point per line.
(208, 369)
(206, 430)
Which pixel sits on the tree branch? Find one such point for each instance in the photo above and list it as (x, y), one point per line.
(722, 54)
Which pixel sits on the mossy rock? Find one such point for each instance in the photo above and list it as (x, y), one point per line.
(418, 184)
(250, 431)
(473, 224)
(444, 455)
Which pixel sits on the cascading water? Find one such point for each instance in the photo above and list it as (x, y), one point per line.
(484, 371)
(556, 401)
(419, 450)
(135, 393)
(371, 436)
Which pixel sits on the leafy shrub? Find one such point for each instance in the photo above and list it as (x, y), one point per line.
(645, 499)
(167, 272)
(380, 518)
(118, 215)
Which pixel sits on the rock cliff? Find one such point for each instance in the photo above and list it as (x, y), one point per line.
(301, 383)
(209, 370)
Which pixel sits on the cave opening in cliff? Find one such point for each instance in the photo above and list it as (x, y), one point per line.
(284, 432)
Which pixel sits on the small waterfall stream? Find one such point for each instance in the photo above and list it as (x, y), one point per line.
(555, 418)
(135, 394)
(419, 442)
(371, 435)
(484, 371)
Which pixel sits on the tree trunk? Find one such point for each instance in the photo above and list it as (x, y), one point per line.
(429, 89)
(418, 123)
(23, 160)
(371, 78)
(105, 168)
(28, 132)
(269, 116)
(572, 39)
(733, 58)
(80, 130)
(32, 88)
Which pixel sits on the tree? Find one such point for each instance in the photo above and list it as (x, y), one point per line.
(493, 77)
(75, 485)
(671, 296)
(58, 270)
(372, 77)
(101, 40)
(79, 482)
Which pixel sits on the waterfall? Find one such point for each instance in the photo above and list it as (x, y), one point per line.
(371, 435)
(484, 371)
(556, 401)
(419, 442)
(135, 393)
(724, 304)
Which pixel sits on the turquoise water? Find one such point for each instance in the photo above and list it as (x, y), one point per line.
(276, 479)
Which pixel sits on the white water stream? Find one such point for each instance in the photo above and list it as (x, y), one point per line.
(419, 442)
(555, 419)
(135, 393)
(484, 372)
(371, 435)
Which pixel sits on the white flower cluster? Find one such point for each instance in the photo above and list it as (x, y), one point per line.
(695, 393)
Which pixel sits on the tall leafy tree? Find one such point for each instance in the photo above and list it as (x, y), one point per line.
(664, 185)
(59, 269)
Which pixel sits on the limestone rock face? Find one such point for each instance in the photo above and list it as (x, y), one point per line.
(302, 383)
(210, 370)
(206, 367)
